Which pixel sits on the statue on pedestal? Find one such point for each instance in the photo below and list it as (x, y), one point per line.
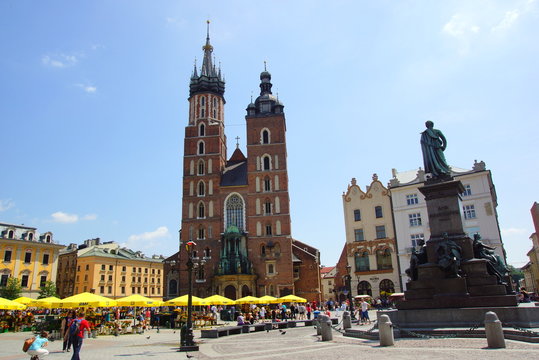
(495, 264)
(449, 256)
(433, 144)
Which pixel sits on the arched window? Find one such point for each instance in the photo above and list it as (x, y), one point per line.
(383, 259)
(362, 261)
(234, 211)
(30, 236)
(245, 291)
(201, 234)
(202, 130)
(267, 207)
(267, 184)
(201, 211)
(266, 163)
(364, 288)
(10, 234)
(201, 148)
(173, 287)
(48, 238)
(265, 136)
(201, 167)
(201, 188)
(203, 100)
(386, 287)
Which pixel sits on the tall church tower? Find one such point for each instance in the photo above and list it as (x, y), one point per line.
(204, 157)
(269, 210)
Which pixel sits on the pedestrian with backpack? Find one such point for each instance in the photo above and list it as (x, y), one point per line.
(76, 333)
(36, 350)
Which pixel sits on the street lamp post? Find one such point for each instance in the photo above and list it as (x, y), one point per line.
(187, 343)
(349, 286)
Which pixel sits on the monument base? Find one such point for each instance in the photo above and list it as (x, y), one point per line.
(525, 317)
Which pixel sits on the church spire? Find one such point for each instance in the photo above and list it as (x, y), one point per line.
(210, 78)
(207, 66)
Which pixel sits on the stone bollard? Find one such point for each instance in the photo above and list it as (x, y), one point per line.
(346, 320)
(494, 331)
(325, 326)
(386, 331)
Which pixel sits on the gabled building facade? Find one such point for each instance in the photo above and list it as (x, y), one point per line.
(531, 269)
(371, 249)
(237, 209)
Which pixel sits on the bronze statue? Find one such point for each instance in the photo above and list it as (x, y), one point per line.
(418, 257)
(433, 144)
(449, 256)
(495, 264)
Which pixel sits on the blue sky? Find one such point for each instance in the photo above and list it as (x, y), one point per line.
(94, 104)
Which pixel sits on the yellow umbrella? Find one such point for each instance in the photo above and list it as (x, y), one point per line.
(219, 300)
(6, 304)
(292, 298)
(268, 300)
(138, 300)
(23, 300)
(247, 300)
(182, 301)
(44, 303)
(84, 300)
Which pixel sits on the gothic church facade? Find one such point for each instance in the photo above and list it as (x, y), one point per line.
(237, 209)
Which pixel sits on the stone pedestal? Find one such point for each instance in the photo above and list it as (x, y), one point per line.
(461, 281)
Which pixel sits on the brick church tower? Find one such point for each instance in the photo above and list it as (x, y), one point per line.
(237, 209)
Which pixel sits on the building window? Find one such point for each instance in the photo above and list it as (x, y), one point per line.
(467, 190)
(200, 233)
(469, 212)
(201, 188)
(267, 184)
(271, 269)
(111, 267)
(201, 167)
(265, 136)
(124, 268)
(7, 256)
(411, 199)
(378, 212)
(145, 270)
(362, 261)
(202, 100)
(201, 148)
(263, 250)
(383, 259)
(42, 280)
(381, 232)
(123, 279)
(30, 236)
(414, 219)
(103, 267)
(358, 235)
(387, 286)
(45, 259)
(88, 267)
(268, 229)
(266, 163)
(201, 211)
(123, 289)
(10, 234)
(86, 277)
(134, 269)
(110, 290)
(3, 280)
(416, 239)
(267, 207)
(24, 281)
(201, 130)
(102, 289)
(234, 212)
(110, 277)
(28, 257)
(357, 215)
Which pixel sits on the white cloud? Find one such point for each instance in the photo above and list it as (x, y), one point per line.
(89, 217)
(59, 60)
(64, 218)
(160, 232)
(6, 205)
(458, 26)
(508, 20)
(515, 232)
(90, 89)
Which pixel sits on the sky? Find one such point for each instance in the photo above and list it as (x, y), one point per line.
(93, 105)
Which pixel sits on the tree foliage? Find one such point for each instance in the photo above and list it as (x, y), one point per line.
(47, 290)
(12, 290)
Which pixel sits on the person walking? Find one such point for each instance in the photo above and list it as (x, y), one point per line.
(37, 349)
(64, 328)
(76, 332)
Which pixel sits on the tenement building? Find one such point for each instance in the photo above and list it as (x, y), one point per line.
(28, 256)
(237, 209)
(109, 270)
(370, 248)
(531, 269)
(479, 213)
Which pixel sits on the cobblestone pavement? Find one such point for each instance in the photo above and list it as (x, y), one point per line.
(297, 343)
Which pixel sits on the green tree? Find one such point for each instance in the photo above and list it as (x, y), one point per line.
(12, 290)
(47, 290)
(515, 273)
